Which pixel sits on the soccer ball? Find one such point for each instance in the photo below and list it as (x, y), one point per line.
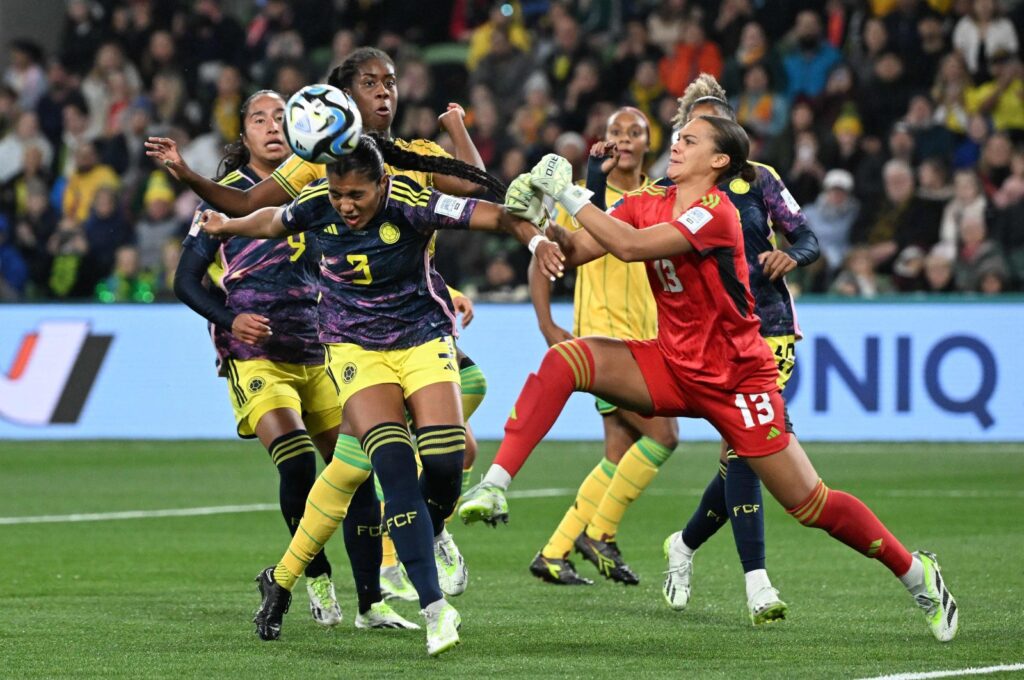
(322, 123)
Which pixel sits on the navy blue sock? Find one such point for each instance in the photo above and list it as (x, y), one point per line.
(362, 531)
(710, 515)
(405, 514)
(295, 457)
(746, 512)
(442, 448)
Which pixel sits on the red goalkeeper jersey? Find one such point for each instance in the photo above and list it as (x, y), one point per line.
(707, 329)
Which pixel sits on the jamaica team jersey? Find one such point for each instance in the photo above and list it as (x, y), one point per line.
(707, 329)
(294, 173)
(381, 291)
(612, 297)
(279, 279)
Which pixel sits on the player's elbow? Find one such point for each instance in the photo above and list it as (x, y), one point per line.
(629, 252)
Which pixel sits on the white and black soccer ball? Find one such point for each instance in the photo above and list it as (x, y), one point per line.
(322, 123)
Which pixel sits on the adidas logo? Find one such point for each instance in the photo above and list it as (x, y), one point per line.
(710, 200)
(773, 433)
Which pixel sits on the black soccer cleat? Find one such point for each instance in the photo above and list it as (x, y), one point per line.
(273, 607)
(606, 557)
(559, 572)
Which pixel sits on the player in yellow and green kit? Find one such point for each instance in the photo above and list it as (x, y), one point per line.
(613, 299)
(368, 75)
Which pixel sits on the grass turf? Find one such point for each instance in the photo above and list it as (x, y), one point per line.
(173, 597)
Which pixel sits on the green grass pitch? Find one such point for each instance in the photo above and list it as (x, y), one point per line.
(173, 596)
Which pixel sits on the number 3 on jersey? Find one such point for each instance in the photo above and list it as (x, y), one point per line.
(361, 266)
(666, 272)
(762, 404)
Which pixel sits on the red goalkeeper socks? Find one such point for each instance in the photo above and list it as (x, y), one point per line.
(567, 367)
(847, 519)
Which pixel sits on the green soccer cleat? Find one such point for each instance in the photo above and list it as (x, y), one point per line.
(452, 575)
(443, 624)
(485, 503)
(765, 606)
(395, 584)
(273, 605)
(381, 616)
(559, 572)
(677, 578)
(323, 603)
(935, 599)
(606, 557)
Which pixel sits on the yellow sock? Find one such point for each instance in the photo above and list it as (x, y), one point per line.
(636, 471)
(579, 514)
(467, 478)
(474, 387)
(326, 507)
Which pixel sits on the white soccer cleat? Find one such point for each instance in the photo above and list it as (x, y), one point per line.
(677, 578)
(485, 503)
(382, 617)
(765, 606)
(452, 574)
(443, 623)
(323, 603)
(395, 584)
(934, 598)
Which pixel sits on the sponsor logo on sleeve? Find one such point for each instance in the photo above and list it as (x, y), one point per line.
(694, 218)
(450, 206)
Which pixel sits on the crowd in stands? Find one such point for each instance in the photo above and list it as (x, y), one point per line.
(897, 124)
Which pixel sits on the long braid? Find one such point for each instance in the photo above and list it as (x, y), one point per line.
(410, 160)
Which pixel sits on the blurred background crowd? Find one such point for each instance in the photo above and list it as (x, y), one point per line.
(897, 124)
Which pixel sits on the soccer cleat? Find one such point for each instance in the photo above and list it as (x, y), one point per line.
(677, 578)
(381, 616)
(484, 503)
(935, 599)
(452, 575)
(323, 603)
(443, 624)
(606, 557)
(273, 606)
(765, 606)
(395, 584)
(559, 572)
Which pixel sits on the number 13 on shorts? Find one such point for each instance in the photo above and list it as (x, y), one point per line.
(757, 406)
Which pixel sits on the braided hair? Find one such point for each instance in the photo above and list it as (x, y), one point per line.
(236, 154)
(372, 152)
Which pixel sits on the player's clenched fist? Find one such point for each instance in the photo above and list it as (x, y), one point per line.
(523, 201)
(553, 176)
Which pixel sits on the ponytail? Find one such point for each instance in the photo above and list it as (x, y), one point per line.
(410, 160)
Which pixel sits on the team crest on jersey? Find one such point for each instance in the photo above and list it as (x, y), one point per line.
(694, 218)
(389, 233)
(348, 373)
(257, 384)
(739, 186)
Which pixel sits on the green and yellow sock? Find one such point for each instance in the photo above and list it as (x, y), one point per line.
(474, 387)
(635, 472)
(326, 507)
(582, 510)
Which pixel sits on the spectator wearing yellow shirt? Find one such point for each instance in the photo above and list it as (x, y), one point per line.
(88, 178)
(503, 15)
(1002, 98)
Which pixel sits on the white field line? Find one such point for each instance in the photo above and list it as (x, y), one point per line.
(1006, 668)
(520, 494)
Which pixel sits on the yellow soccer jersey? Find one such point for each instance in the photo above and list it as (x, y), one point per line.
(294, 173)
(612, 298)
